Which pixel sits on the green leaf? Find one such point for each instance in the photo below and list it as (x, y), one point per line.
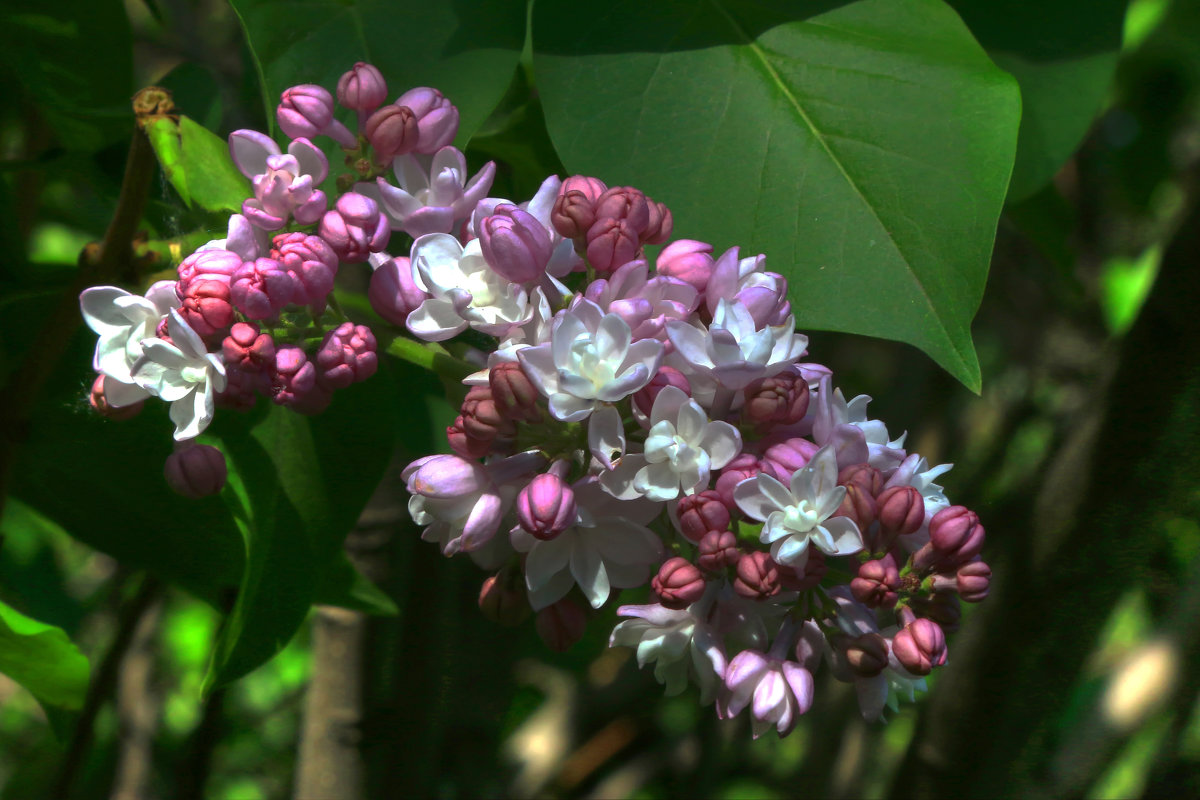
(1064, 55)
(197, 163)
(467, 50)
(343, 585)
(41, 658)
(865, 148)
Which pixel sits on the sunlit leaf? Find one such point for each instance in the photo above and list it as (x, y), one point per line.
(41, 658)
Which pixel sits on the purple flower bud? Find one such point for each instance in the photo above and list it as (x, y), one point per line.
(789, 456)
(624, 203)
(877, 583)
(515, 245)
(205, 306)
(546, 507)
(688, 260)
(443, 477)
(503, 598)
(362, 88)
(294, 382)
(778, 400)
(514, 394)
(757, 576)
(482, 420)
(974, 580)
(347, 356)
(860, 507)
(311, 262)
(261, 288)
(867, 655)
(610, 244)
(864, 476)
(661, 224)
(643, 399)
(393, 292)
(813, 573)
(99, 402)
(744, 465)
(700, 513)
(392, 131)
(242, 387)
(955, 535)
(591, 188)
(561, 625)
(437, 118)
(678, 583)
(717, 550)
(354, 228)
(195, 470)
(920, 646)
(900, 511)
(573, 214)
(305, 110)
(248, 350)
(465, 445)
(209, 264)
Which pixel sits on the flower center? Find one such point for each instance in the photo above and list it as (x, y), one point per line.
(800, 518)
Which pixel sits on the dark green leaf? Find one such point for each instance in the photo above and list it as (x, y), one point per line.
(1063, 54)
(865, 148)
(197, 163)
(41, 658)
(343, 585)
(468, 50)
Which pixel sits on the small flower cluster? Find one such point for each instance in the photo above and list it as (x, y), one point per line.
(252, 314)
(634, 425)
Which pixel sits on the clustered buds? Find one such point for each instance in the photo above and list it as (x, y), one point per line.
(623, 424)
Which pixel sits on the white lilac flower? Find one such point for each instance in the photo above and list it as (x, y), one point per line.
(434, 194)
(678, 643)
(832, 418)
(681, 450)
(801, 515)
(463, 291)
(778, 691)
(183, 374)
(608, 547)
(532, 333)
(590, 359)
(123, 321)
(733, 351)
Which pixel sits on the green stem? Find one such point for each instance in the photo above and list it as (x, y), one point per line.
(430, 356)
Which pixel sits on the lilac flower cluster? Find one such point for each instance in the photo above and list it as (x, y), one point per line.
(635, 425)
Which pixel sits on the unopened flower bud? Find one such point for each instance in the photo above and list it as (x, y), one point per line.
(573, 214)
(195, 470)
(261, 288)
(973, 581)
(546, 507)
(867, 655)
(355, 228)
(920, 646)
(465, 445)
(294, 382)
(362, 88)
(900, 511)
(392, 131)
(787, 457)
(208, 264)
(778, 400)
(643, 399)
(700, 513)
(757, 576)
(860, 507)
(514, 394)
(687, 260)
(307, 111)
(437, 118)
(591, 188)
(503, 599)
(393, 292)
(247, 349)
(955, 536)
(877, 583)
(561, 625)
(718, 550)
(808, 577)
(242, 387)
(205, 307)
(624, 203)
(311, 262)
(678, 583)
(744, 466)
(347, 356)
(99, 402)
(864, 476)
(661, 224)
(610, 244)
(515, 245)
(482, 419)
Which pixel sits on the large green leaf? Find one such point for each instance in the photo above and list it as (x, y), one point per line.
(41, 658)
(197, 163)
(1063, 54)
(467, 50)
(865, 147)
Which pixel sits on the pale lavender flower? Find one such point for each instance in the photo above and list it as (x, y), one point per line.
(285, 186)
(432, 195)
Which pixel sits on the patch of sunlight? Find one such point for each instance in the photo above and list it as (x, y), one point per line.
(1124, 286)
(1126, 775)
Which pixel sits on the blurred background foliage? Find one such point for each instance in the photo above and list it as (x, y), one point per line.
(1080, 676)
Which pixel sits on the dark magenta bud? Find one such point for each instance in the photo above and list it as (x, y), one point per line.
(362, 88)
(678, 583)
(99, 402)
(643, 399)
(687, 260)
(860, 507)
(877, 583)
(503, 599)
(392, 131)
(787, 457)
(624, 203)
(573, 214)
(864, 476)
(482, 419)
(354, 228)
(718, 550)
(465, 445)
(561, 625)
(514, 394)
(700, 513)
(261, 288)
(867, 655)
(311, 262)
(347, 356)
(920, 646)
(206, 307)
(778, 400)
(757, 576)
(660, 225)
(973, 581)
(955, 535)
(546, 507)
(901, 510)
(611, 243)
(195, 470)
(246, 349)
